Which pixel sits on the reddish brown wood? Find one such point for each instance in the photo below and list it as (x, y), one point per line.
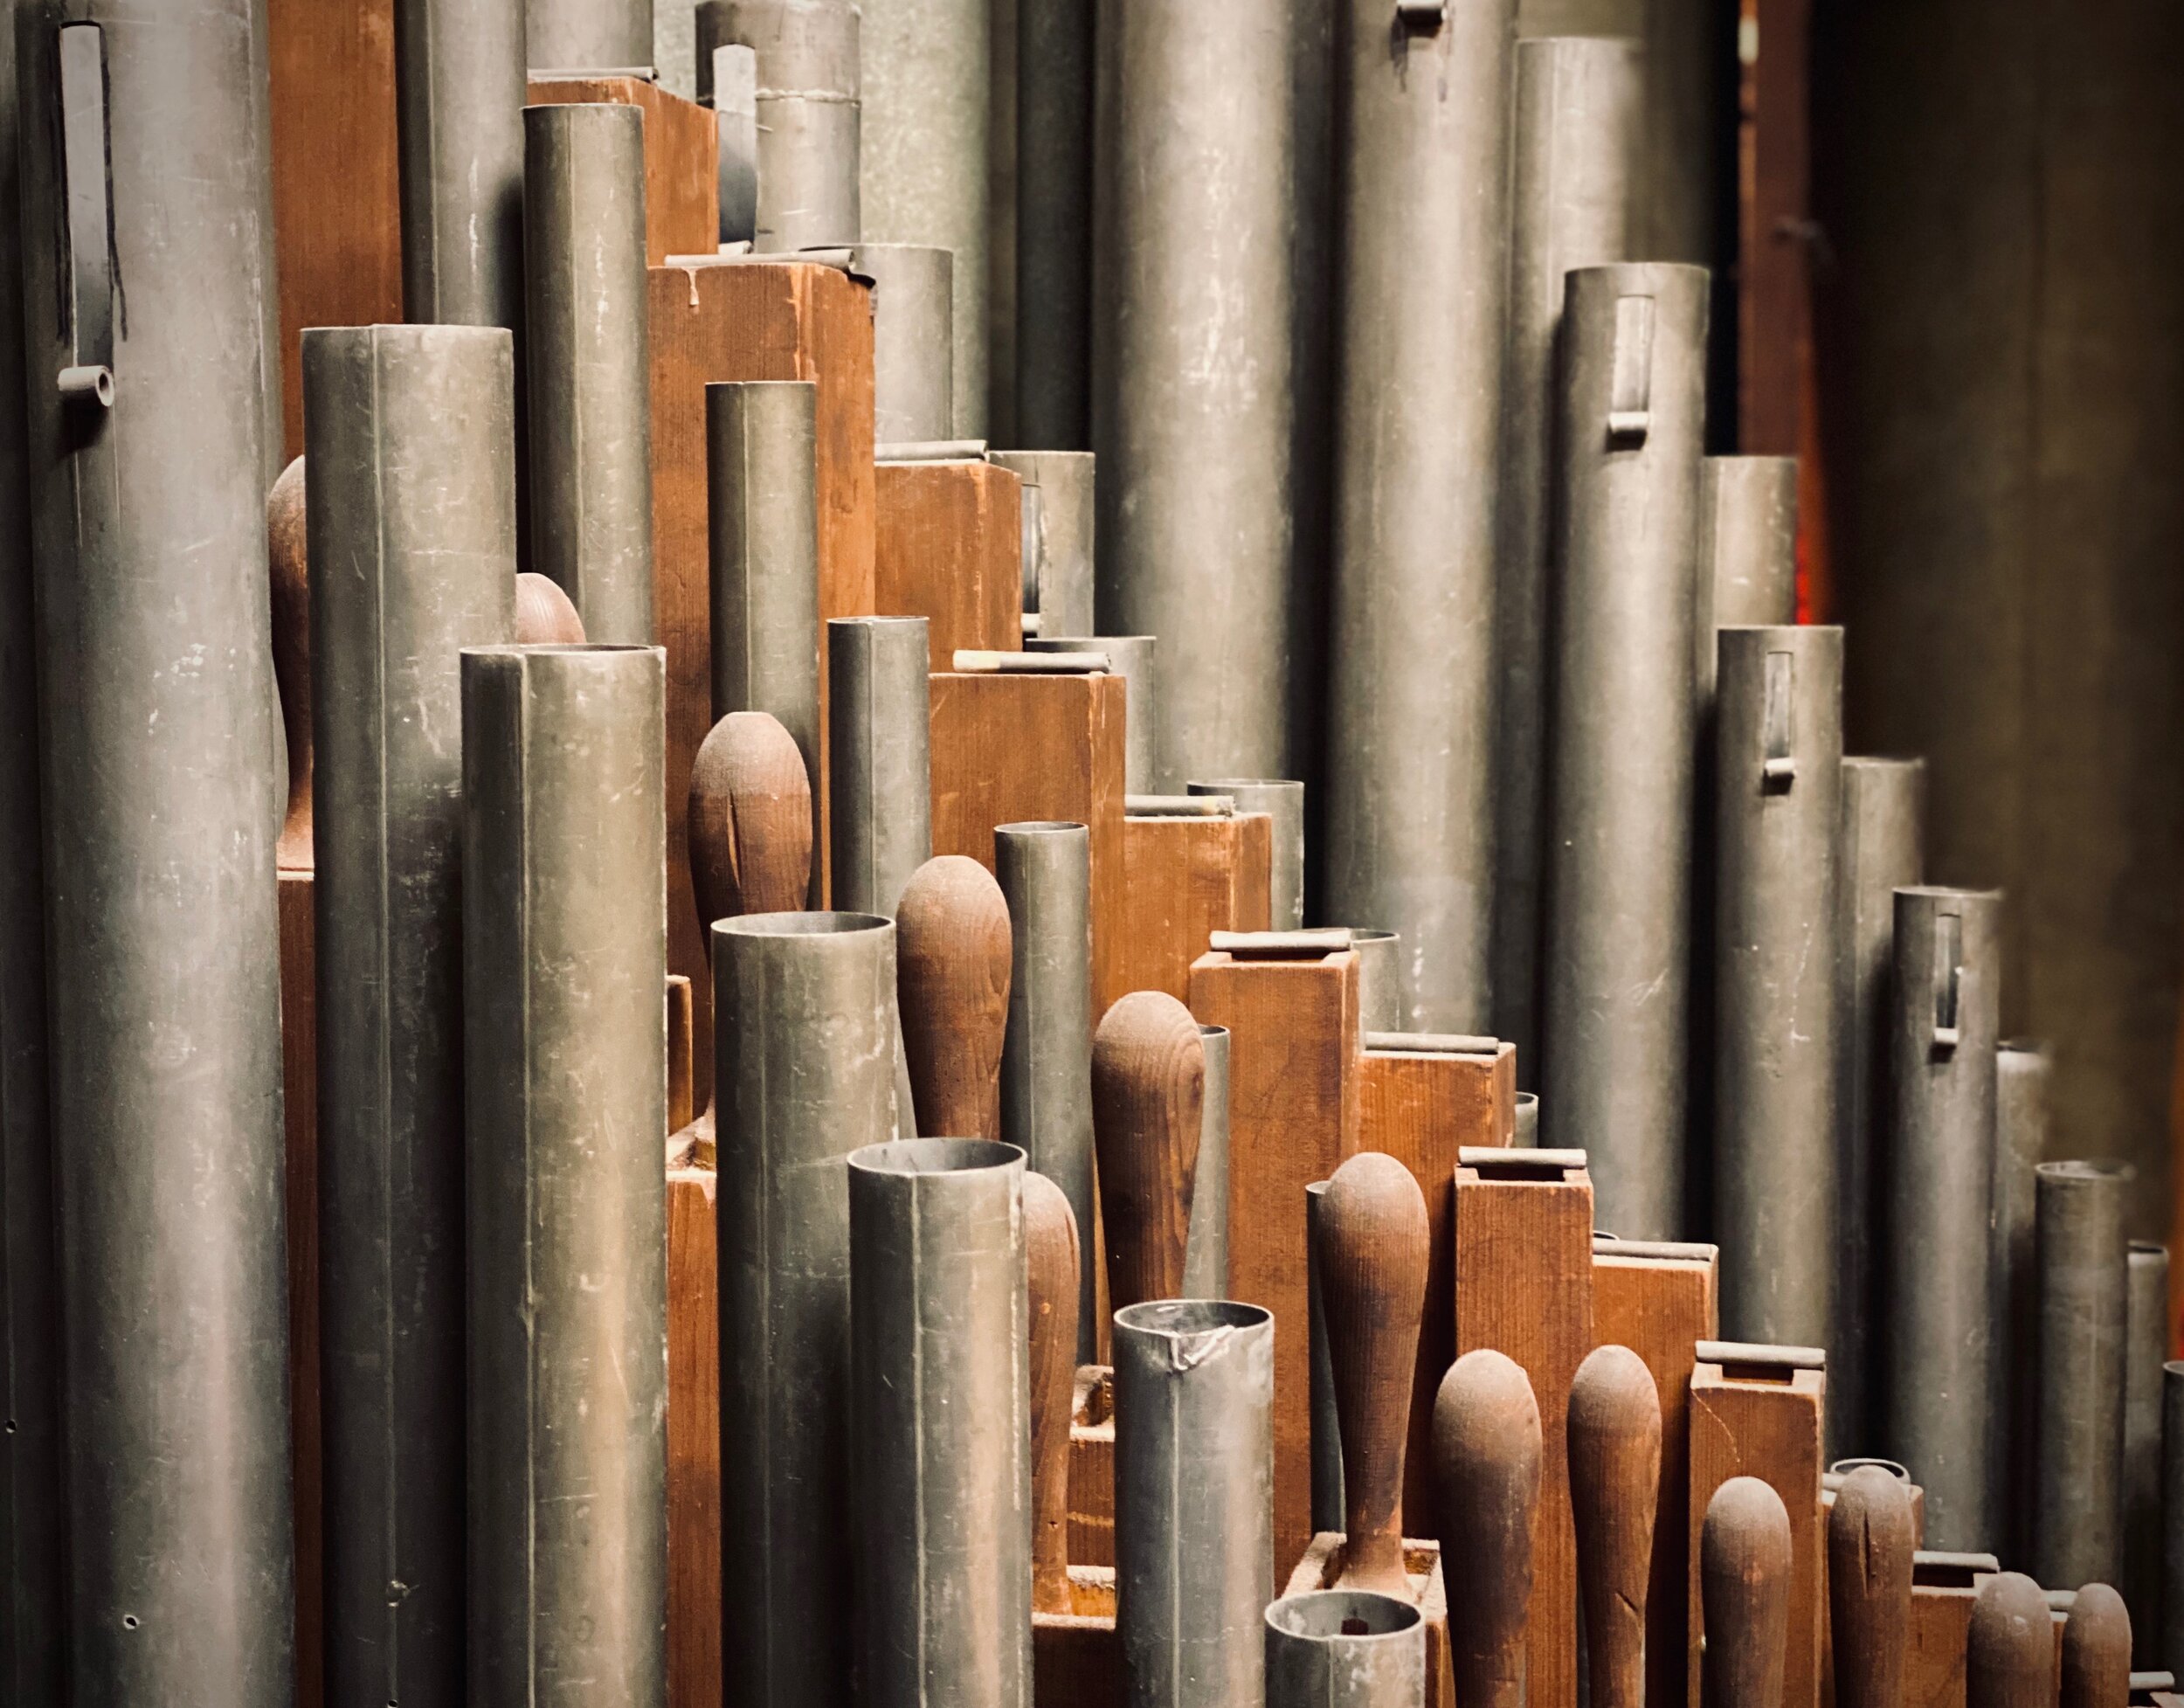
(950, 548)
(680, 1099)
(1775, 230)
(1614, 1481)
(1148, 1098)
(1871, 1540)
(1322, 1567)
(681, 159)
(1488, 1458)
(1092, 1467)
(1050, 1252)
(2009, 1651)
(2097, 1650)
(299, 1118)
(544, 614)
(1743, 1570)
(952, 980)
(1944, 1588)
(1183, 879)
(694, 1443)
(288, 558)
(750, 820)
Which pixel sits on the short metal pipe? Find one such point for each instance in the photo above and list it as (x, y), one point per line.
(564, 956)
(1193, 1501)
(2024, 1070)
(1135, 658)
(1058, 531)
(1328, 1485)
(2146, 1349)
(735, 70)
(940, 1420)
(1747, 550)
(460, 83)
(879, 766)
(1344, 1649)
(2170, 1625)
(1617, 972)
(1206, 1245)
(1380, 980)
(1527, 1137)
(1045, 871)
(588, 371)
(913, 298)
(804, 1071)
(586, 35)
(1283, 801)
(808, 114)
(2077, 1486)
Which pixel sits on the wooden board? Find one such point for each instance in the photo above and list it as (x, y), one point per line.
(1322, 1565)
(1524, 1286)
(1184, 879)
(681, 1099)
(1422, 1109)
(694, 1443)
(1076, 1658)
(682, 139)
(1944, 1587)
(761, 320)
(300, 1090)
(1760, 1416)
(1294, 1116)
(950, 548)
(1092, 1468)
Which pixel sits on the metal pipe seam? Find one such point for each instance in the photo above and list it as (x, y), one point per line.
(1281, 799)
(1206, 1246)
(1344, 1649)
(460, 83)
(2084, 1305)
(809, 114)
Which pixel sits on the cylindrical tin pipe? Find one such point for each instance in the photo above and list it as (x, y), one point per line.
(1380, 980)
(1282, 800)
(564, 956)
(1328, 1492)
(2146, 1349)
(1574, 120)
(736, 111)
(588, 34)
(1193, 372)
(1882, 848)
(1058, 573)
(460, 83)
(805, 1049)
(1616, 977)
(2171, 1627)
(913, 308)
(1934, 1368)
(1206, 1249)
(1527, 1137)
(143, 159)
(1422, 322)
(1193, 1501)
(1747, 550)
(1045, 871)
(2023, 1071)
(941, 1415)
(411, 509)
(1054, 226)
(1135, 658)
(2078, 1487)
(881, 775)
(808, 113)
(1778, 770)
(1344, 1649)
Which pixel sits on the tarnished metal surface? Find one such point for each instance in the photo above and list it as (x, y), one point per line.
(736, 110)
(585, 35)
(808, 113)
(1283, 799)
(2171, 1627)
(2024, 1071)
(1344, 1649)
(1053, 225)
(1380, 980)
(1135, 658)
(459, 87)
(912, 364)
(2078, 1483)
(1058, 489)
(1206, 1249)
(1747, 550)
(1326, 1436)
(2145, 1348)
(1527, 1135)
(879, 734)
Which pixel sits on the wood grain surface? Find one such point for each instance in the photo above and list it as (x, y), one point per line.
(948, 547)
(682, 206)
(1148, 1102)
(1050, 1264)
(1615, 1484)
(694, 1443)
(1092, 1466)
(1184, 879)
(1745, 1593)
(1872, 1535)
(1076, 1659)
(544, 614)
(1490, 1457)
(952, 966)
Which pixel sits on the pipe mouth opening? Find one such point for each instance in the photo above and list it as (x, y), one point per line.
(800, 925)
(1844, 1466)
(1528, 1100)
(935, 1156)
(1043, 828)
(1370, 934)
(2149, 1248)
(2086, 1170)
(1212, 1031)
(1358, 1614)
(2022, 1047)
(1189, 1316)
(1221, 785)
(2174, 1366)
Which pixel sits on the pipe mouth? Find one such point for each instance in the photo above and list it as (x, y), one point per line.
(1355, 1615)
(800, 925)
(2087, 1170)
(1370, 934)
(1844, 1466)
(2174, 1366)
(1528, 1100)
(935, 1156)
(1212, 1031)
(1190, 1317)
(2022, 1046)
(1043, 828)
(1221, 785)
(2149, 1248)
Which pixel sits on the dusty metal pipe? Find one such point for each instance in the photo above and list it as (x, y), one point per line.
(2078, 1487)
(2023, 1071)
(1344, 1649)
(1193, 1500)
(941, 1423)
(2146, 1349)
(808, 113)
(460, 85)
(880, 770)
(1328, 1495)
(1617, 972)
(1747, 550)
(736, 115)
(584, 35)
(1058, 488)
(410, 470)
(1205, 1248)
(1282, 800)
(1135, 658)
(564, 954)
(2170, 1625)
(1527, 1137)
(1053, 225)
(913, 308)
(806, 1063)
(1380, 979)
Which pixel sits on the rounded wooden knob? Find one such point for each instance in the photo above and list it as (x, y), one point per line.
(952, 949)
(1374, 1241)
(544, 615)
(1050, 1252)
(1615, 1490)
(1745, 1594)
(1872, 1532)
(1148, 1098)
(288, 559)
(2009, 1653)
(1486, 1475)
(750, 820)
(2097, 1650)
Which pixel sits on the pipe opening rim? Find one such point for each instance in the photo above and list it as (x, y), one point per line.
(2087, 1169)
(1183, 1317)
(1045, 828)
(1326, 1615)
(935, 1156)
(800, 925)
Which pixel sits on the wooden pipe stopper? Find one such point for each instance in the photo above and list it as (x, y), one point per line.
(288, 557)
(750, 822)
(1374, 1241)
(1614, 1489)
(1148, 1095)
(1486, 1476)
(1050, 1252)
(952, 947)
(2097, 1650)
(2009, 1651)
(544, 615)
(1872, 1532)
(1744, 1576)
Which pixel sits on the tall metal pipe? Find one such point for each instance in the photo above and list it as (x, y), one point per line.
(879, 733)
(1053, 225)
(2077, 1486)
(1058, 488)
(805, 1064)
(1328, 1491)
(1424, 248)
(564, 956)
(1206, 1248)
(1573, 120)
(912, 366)
(1283, 799)
(1778, 770)
(409, 473)
(1045, 871)
(1934, 1365)
(1616, 977)
(588, 34)
(808, 113)
(1747, 550)
(1193, 1501)
(2146, 1349)
(940, 1417)
(735, 70)
(1193, 372)
(1344, 1649)
(1380, 979)
(2024, 1071)
(460, 83)
(2171, 1625)
(1135, 658)
(143, 159)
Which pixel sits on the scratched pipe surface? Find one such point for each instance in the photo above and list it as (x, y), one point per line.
(808, 118)
(2083, 1280)
(1282, 800)
(1344, 1649)
(2145, 1348)
(460, 85)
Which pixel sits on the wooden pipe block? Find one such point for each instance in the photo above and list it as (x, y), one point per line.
(1755, 1411)
(1320, 1568)
(1183, 879)
(950, 548)
(1092, 1468)
(1077, 1657)
(694, 1442)
(1944, 1588)
(682, 193)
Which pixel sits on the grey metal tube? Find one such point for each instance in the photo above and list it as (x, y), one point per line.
(1380, 980)
(805, 1048)
(2077, 1486)
(459, 88)
(1344, 1649)
(2172, 1616)
(1058, 576)
(1616, 976)
(2023, 1071)
(1206, 1245)
(1777, 769)
(585, 35)
(1527, 1136)
(1193, 1501)
(1135, 658)
(1281, 799)
(1045, 870)
(913, 308)
(879, 766)
(735, 70)
(410, 474)
(1192, 371)
(1053, 225)
(1882, 848)
(588, 373)
(1933, 1370)
(1747, 550)
(564, 956)
(2146, 1349)
(1421, 328)
(1328, 1485)
(808, 113)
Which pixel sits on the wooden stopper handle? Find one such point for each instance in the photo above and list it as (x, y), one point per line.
(1743, 1574)
(2097, 1650)
(544, 615)
(1486, 1473)
(1614, 1492)
(2009, 1652)
(1050, 1251)
(750, 822)
(952, 979)
(1373, 1245)
(1872, 1534)
(1148, 1097)
(287, 555)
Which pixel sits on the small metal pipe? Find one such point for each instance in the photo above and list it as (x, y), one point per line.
(2023, 1072)
(1527, 1137)
(564, 956)
(2146, 1349)
(1058, 532)
(1054, 226)
(588, 35)
(926, 450)
(1135, 658)
(1205, 1251)
(881, 775)
(2077, 1489)
(460, 83)
(1380, 979)
(735, 71)
(1747, 550)
(2170, 1625)
(941, 1418)
(1328, 1494)
(1344, 1649)
(1283, 801)
(913, 298)
(808, 113)
(1193, 1501)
